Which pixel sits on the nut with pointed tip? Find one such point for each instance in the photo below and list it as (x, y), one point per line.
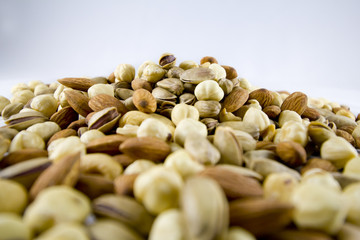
(144, 101)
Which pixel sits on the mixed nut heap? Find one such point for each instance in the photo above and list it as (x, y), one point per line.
(176, 152)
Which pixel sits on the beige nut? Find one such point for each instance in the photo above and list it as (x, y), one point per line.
(168, 225)
(280, 186)
(22, 96)
(100, 163)
(13, 197)
(182, 111)
(124, 73)
(187, 126)
(352, 193)
(45, 104)
(107, 229)
(201, 149)
(45, 130)
(65, 146)
(26, 139)
(154, 128)
(139, 166)
(158, 189)
(3, 103)
(209, 90)
(66, 231)
(100, 89)
(12, 227)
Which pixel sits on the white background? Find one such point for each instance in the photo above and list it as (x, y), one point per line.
(308, 45)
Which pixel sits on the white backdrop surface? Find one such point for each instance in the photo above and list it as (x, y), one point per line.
(310, 46)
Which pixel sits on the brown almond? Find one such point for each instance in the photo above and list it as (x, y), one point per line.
(150, 148)
(311, 113)
(260, 216)
(144, 101)
(263, 96)
(64, 172)
(64, 117)
(235, 185)
(78, 101)
(348, 128)
(347, 136)
(296, 101)
(124, 159)
(21, 156)
(111, 77)
(272, 111)
(108, 144)
(62, 134)
(208, 59)
(291, 153)
(124, 184)
(319, 163)
(236, 99)
(77, 124)
(82, 84)
(139, 83)
(94, 185)
(230, 72)
(102, 101)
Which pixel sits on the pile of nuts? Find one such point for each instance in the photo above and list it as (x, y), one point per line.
(176, 152)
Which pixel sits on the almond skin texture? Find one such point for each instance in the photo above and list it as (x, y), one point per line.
(144, 101)
(101, 101)
(150, 148)
(64, 117)
(272, 111)
(263, 96)
(108, 144)
(78, 101)
(291, 153)
(22, 155)
(82, 84)
(311, 113)
(124, 184)
(230, 72)
(94, 185)
(296, 102)
(234, 184)
(260, 216)
(236, 99)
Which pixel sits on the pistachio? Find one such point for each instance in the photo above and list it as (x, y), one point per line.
(174, 72)
(4, 146)
(197, 75)
(104, 120)
(65, 231)
(226, 85)
(45, 104)
(11, 109)
(187, 98)
(230, 148)
(189, 64)
(124, 93)
(167, 60)
(208, 108)
(21, 121)
(173, 85)
(319, 132)
(210, 123)
(3, 103)
(125, 210)
(158, 189)
(124, 73)
(22, 96)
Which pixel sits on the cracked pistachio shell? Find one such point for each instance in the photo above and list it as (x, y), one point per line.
(62, 147)
(319, 132)
(187, 98)
(249, 128)
(257, 117)
(219, 71)
(167, 60)
(338, 151)
(100, 88)
(280, 186)
(294, 131)
(154, 128)
(54, 205)
(230, 148)
(124, 73)
(163, 94)
(319, 208)
(182, 111)
(197, 75)
(13, 197)
(173, 85)
(45, 104)
(158, 189)
(23, 120)
(153, 73)
(45, 129)
(209, 90)
(26, 139)
(175, 72)
(187, 126)
(11, 109)
(65, 231)
(208, 108)
(168, 225)
(288, 115)
(41, 89)
(226, 85)
(201, 149)
(19, 87)
(108, 229)
(12, 227)
(182, 162)
(139, 166)
(104, 120)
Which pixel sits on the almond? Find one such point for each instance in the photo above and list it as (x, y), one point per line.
(64, 172)
(311, 113)
(291, 153)
(102, 101)
(230, 72)
(260, 216)
(124, 159)
(82, 84)
(64, 117)
(108, 144)
(94, 185)
(62, 134)
(236, 99)
(235, 185)
(150, 148)
(263, 96)
(77, 124)
(124, 184)
(208, 59)
(144, 101)
(296, 102)
(272, 111)
(22, 155)
(78, 101)
(138, 83)
(111, 77)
